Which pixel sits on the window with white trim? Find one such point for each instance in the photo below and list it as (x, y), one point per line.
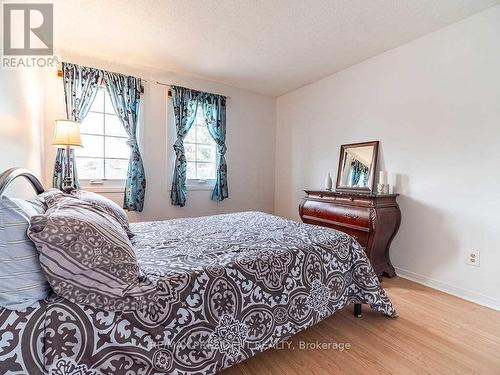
(201, 152)
(105, 153)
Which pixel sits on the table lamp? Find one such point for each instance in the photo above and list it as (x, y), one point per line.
(67, 135)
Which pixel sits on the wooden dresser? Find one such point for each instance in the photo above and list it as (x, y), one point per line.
(372, 219)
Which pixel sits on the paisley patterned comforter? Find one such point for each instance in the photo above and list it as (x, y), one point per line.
(230, 287)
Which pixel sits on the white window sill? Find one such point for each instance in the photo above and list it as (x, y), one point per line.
(103, 189)
(107, 186)
(195, 185)
(200, 187)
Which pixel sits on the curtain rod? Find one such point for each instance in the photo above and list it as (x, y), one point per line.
(60, 74)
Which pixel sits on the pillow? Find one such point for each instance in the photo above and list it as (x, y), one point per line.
(22, 281)
(85, 253)
(107, 205)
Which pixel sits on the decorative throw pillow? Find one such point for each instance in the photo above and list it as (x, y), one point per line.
(22, 281)
(84, 252)
(107, 205)
(41, 199)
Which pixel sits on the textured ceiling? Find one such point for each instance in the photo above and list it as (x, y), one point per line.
(266, 46)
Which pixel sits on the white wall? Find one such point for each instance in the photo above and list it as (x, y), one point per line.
(434, 104)
(250, 138)
(20, 124)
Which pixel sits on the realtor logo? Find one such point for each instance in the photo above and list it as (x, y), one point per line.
(28, 29)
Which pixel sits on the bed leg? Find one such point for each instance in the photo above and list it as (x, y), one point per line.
(357, 310)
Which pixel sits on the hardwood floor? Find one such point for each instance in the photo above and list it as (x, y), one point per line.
(435, 333)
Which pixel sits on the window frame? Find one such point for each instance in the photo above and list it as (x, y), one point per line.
(104, 185)
(198, 183)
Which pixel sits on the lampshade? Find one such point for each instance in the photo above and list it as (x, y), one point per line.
(67, 133)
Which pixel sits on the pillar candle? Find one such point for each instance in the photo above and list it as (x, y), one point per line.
(382, 178)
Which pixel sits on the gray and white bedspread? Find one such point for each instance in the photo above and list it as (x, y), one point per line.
(229, 286)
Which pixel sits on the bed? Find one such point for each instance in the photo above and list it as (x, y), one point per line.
(227, 287)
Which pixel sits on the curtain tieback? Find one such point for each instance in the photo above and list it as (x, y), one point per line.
(222, 148)
(179, 146)
(132, 142)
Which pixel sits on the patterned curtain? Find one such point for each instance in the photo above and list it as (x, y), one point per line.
(185, 102)
(214, 111)
(125, 93)
(366, 176)
(80, 88)
(357, 170)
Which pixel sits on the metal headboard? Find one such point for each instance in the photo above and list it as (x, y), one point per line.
(11, 174)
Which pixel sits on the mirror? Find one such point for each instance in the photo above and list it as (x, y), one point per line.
(357, 166)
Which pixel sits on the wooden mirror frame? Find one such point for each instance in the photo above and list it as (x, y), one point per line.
(371, 182)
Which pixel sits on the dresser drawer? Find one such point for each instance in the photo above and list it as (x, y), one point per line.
(358, 235)
(337, 214)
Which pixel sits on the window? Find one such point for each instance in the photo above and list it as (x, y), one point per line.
(105, 154)
(201, 151)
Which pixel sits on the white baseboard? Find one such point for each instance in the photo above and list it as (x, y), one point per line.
(468, 295)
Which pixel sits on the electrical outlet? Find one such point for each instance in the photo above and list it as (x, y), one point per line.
(473, 258)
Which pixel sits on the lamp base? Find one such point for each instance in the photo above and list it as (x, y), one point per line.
(67, 185)
(68, 178)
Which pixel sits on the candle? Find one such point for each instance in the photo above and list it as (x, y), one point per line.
(382, 177)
